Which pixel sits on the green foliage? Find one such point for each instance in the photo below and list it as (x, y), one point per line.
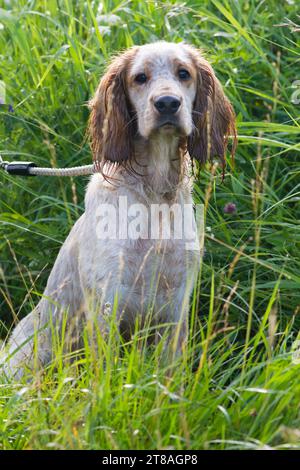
(245, 391)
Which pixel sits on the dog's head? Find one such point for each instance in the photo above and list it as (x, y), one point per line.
(160, 88)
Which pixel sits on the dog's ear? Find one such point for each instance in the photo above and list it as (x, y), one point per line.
(213, 115)
(112, 124)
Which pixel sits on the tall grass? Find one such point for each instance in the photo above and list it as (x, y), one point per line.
(237, 386)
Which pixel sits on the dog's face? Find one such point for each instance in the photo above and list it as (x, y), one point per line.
(162, 83)
(160, 88)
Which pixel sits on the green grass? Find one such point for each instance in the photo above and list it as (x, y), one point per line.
(237, 385)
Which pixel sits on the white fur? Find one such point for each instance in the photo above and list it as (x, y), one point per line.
(161, 61)
(88, 271)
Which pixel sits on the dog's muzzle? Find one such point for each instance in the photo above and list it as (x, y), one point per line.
(167, 107)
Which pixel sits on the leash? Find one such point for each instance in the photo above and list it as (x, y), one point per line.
(31, 169)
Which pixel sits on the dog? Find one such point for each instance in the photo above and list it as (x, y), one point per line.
(157, 108)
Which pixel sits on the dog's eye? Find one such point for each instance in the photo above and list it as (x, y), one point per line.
(183, 74)
(141, 78)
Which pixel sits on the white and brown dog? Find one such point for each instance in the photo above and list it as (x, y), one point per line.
(157, 106)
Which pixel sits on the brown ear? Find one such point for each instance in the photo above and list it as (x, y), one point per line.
(213, 116)
(112, 123)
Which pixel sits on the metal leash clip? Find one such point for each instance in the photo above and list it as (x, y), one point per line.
(17, 168)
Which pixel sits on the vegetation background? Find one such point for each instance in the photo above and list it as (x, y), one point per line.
(237, 385)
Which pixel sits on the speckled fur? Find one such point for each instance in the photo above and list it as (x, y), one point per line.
(149, 276)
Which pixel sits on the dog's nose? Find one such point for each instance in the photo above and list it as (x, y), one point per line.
(167, 104)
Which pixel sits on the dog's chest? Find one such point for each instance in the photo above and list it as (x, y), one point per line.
(160, 263)
(140, 245)
(155, 248)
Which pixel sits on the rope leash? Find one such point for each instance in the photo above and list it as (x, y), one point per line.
(30, 169)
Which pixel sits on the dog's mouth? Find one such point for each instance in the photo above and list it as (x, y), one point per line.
(168, 124)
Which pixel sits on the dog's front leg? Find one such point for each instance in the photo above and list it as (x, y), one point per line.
(103, 311)
(178, 318)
